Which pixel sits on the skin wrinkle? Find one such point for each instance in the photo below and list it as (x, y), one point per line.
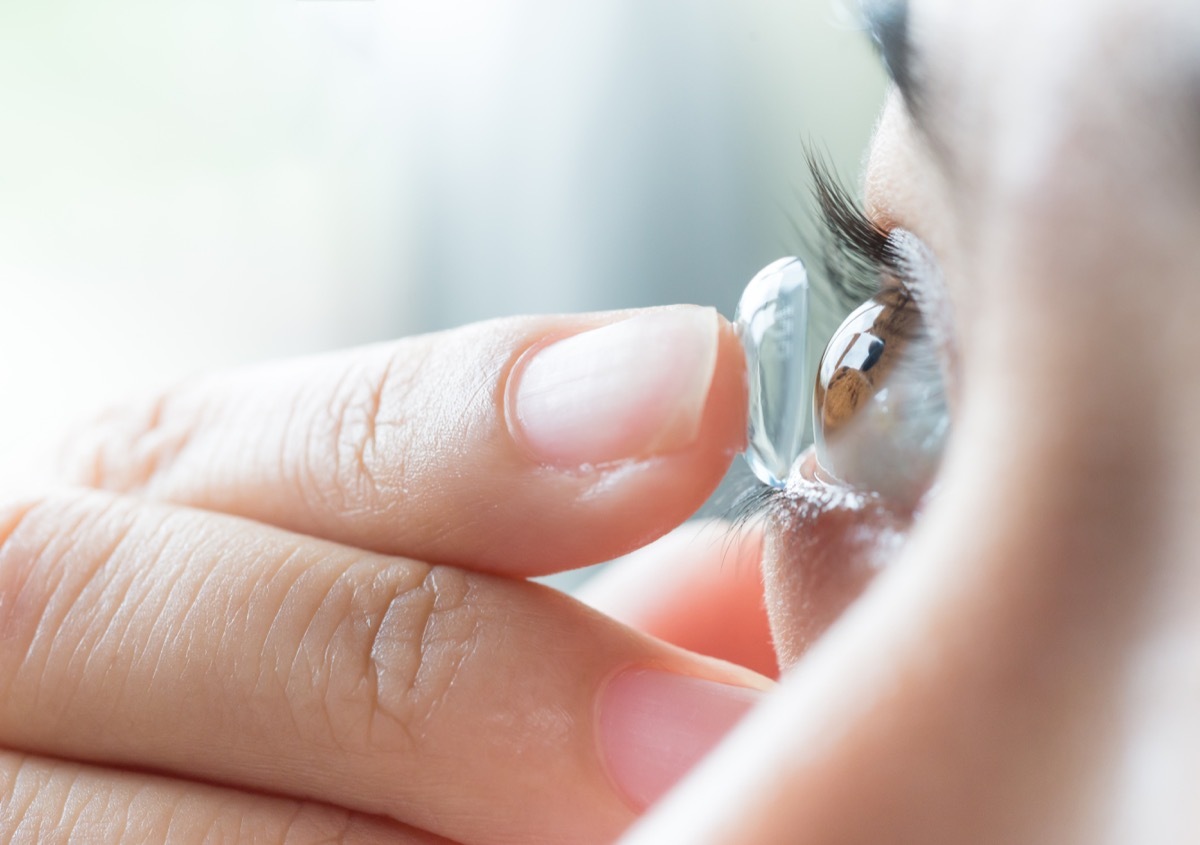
(160, 443)
(374, 656)
(293, 591)
(193, 619)
(149, 583)
(38, 640)
(218, 593)
(57, 801)
(17, 799)
(330, 625)
(394, 624)
(328, 437)
(365, 454)
(127, 633)
(354, 482)
(77, 594)
(442, 630)
(372, 487)
(13, 580)
(286, 468)
(123, 811)
(93, 803)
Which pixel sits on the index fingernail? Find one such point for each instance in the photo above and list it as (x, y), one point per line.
(629, 389)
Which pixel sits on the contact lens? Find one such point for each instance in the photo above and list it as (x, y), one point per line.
(772, 322)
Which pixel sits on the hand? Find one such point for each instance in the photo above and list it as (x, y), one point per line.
(291, 607)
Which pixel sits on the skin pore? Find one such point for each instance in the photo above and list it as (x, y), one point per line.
(1024, 667)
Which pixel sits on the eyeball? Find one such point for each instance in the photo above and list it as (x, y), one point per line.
(880, 418)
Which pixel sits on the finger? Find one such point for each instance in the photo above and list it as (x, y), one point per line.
(154, 637)
(505, 446)
(700, 587)
(53, 802)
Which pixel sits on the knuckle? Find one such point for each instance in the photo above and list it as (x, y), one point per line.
(351, 460)
(128, 447)
(397, 636)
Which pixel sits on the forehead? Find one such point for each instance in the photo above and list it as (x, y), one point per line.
(1050, 156)
(1047, 122)
(1012, 88)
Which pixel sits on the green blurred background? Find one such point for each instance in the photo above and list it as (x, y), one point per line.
(189, 184)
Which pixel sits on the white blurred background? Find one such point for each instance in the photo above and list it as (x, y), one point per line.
(190, 184)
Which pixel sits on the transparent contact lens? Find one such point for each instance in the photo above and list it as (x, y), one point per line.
(772, 322)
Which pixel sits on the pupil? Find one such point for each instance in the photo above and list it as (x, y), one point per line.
(863, 353)
(873, 354)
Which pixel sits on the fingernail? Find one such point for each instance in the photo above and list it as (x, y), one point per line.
(627, 390)
(655, 726)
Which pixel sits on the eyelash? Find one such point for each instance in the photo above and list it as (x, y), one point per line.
(854, 253)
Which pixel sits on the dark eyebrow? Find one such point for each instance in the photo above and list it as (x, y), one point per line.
(887, 24)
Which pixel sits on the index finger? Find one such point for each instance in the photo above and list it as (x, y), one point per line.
(520, 446)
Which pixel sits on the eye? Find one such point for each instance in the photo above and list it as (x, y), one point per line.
(880, 417)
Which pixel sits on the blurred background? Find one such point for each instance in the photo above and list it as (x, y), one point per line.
(192, 184)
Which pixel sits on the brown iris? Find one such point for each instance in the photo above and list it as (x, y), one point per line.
(880, 415)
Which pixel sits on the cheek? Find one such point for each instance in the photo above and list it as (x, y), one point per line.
(823, 547)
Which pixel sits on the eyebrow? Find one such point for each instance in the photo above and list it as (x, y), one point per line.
(887, 23)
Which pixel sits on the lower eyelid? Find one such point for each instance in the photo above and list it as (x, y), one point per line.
(825, 544)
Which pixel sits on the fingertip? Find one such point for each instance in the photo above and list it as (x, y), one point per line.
(726, 412)
(629, 389)
(617, 506)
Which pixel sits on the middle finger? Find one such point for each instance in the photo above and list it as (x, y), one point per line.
(155, 637)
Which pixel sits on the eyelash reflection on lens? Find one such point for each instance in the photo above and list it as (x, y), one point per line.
(858, 263)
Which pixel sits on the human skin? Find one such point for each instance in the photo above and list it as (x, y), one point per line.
(1024, 670)
(289, 604)
(1025, 667)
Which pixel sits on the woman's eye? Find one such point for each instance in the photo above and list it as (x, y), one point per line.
(879, 407)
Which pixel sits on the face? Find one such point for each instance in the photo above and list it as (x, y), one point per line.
(1012, 653)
